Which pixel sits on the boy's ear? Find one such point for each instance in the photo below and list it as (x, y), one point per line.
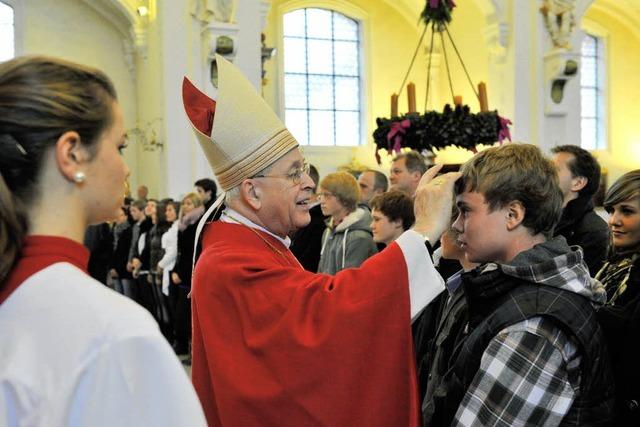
(515, 211)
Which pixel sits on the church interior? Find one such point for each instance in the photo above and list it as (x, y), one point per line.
(562, 71)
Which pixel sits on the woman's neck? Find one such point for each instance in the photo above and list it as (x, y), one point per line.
(48, 218)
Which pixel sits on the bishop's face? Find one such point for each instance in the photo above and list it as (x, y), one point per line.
(285, 193)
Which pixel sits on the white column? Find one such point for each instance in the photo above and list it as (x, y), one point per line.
(180, 49)
(188, 31)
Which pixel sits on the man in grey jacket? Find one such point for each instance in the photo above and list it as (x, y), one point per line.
(347, 240)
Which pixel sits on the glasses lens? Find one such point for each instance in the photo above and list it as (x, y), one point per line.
(296, 176)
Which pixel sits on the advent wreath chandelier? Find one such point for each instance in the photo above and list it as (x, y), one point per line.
(454, 126)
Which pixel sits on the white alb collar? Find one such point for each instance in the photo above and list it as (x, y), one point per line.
(234, 217)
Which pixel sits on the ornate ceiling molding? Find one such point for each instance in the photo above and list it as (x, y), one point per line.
(119, 13)
(627, 15)
(124, 18)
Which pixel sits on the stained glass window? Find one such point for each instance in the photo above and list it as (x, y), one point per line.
(7, 32)
(322, 83)
(591, 94)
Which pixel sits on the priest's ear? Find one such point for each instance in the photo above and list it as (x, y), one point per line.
(251, 193)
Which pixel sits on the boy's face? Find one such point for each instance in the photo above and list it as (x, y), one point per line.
(483, 235)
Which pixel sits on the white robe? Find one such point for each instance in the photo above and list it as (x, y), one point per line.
(75, 353)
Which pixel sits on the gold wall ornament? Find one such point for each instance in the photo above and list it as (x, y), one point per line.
(559, 20)
(147, 135)
(266, 53)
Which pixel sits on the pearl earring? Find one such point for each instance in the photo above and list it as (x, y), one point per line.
(79, 177)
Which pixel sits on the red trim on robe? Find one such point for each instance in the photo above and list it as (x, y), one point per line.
(274, 344)
(38, 253)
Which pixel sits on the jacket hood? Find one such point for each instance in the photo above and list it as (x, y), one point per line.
(554, 263)
(359, 219)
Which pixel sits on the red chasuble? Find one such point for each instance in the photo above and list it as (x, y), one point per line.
(276, 345)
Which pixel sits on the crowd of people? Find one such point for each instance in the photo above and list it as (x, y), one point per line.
(493, 295)
(146, 255)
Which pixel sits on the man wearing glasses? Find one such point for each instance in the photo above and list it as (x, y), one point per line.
(274, 344)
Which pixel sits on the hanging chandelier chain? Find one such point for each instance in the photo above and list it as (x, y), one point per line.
(413, 59)
(426, 96)
(446, 62)
(464, 67)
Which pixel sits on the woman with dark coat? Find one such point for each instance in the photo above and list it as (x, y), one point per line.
(620, 318)
(140, 263)
(190, 213)
(156, 252)
(121, 278)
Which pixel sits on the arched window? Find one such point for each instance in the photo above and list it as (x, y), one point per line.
(7, 32)
(322, 83)
(592, 94)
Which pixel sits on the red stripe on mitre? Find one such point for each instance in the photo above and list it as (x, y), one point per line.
(199, 107)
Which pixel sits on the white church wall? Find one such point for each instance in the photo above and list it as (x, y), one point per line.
(72, 30)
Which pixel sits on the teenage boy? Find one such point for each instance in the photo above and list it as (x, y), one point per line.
(527, 350)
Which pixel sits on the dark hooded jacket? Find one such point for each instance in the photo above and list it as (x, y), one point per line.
(549, 281)
(581, 226)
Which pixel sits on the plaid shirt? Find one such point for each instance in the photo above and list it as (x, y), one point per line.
(529, 374)
(523, 378)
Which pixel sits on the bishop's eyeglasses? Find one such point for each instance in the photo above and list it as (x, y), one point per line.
(294, 176)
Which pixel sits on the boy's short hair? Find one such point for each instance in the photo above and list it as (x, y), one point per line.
(139, 204)
(344, 187)
(395, 205)
(207, 184)
(516, 172)
(380, 180)
(413, 161)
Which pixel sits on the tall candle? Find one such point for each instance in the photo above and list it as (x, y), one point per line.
(394, 105)
(411, 97)
(482, 97)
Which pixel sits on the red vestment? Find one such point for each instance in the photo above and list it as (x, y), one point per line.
(274, 344)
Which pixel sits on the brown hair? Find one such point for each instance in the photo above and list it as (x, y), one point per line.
(40, 99)
(626, 187)
(413, 161)
(344, 186)
(395, 205)
(516, 172)
(380, 180)
(583, 164)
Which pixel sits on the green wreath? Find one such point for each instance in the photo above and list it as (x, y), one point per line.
(434, 130)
